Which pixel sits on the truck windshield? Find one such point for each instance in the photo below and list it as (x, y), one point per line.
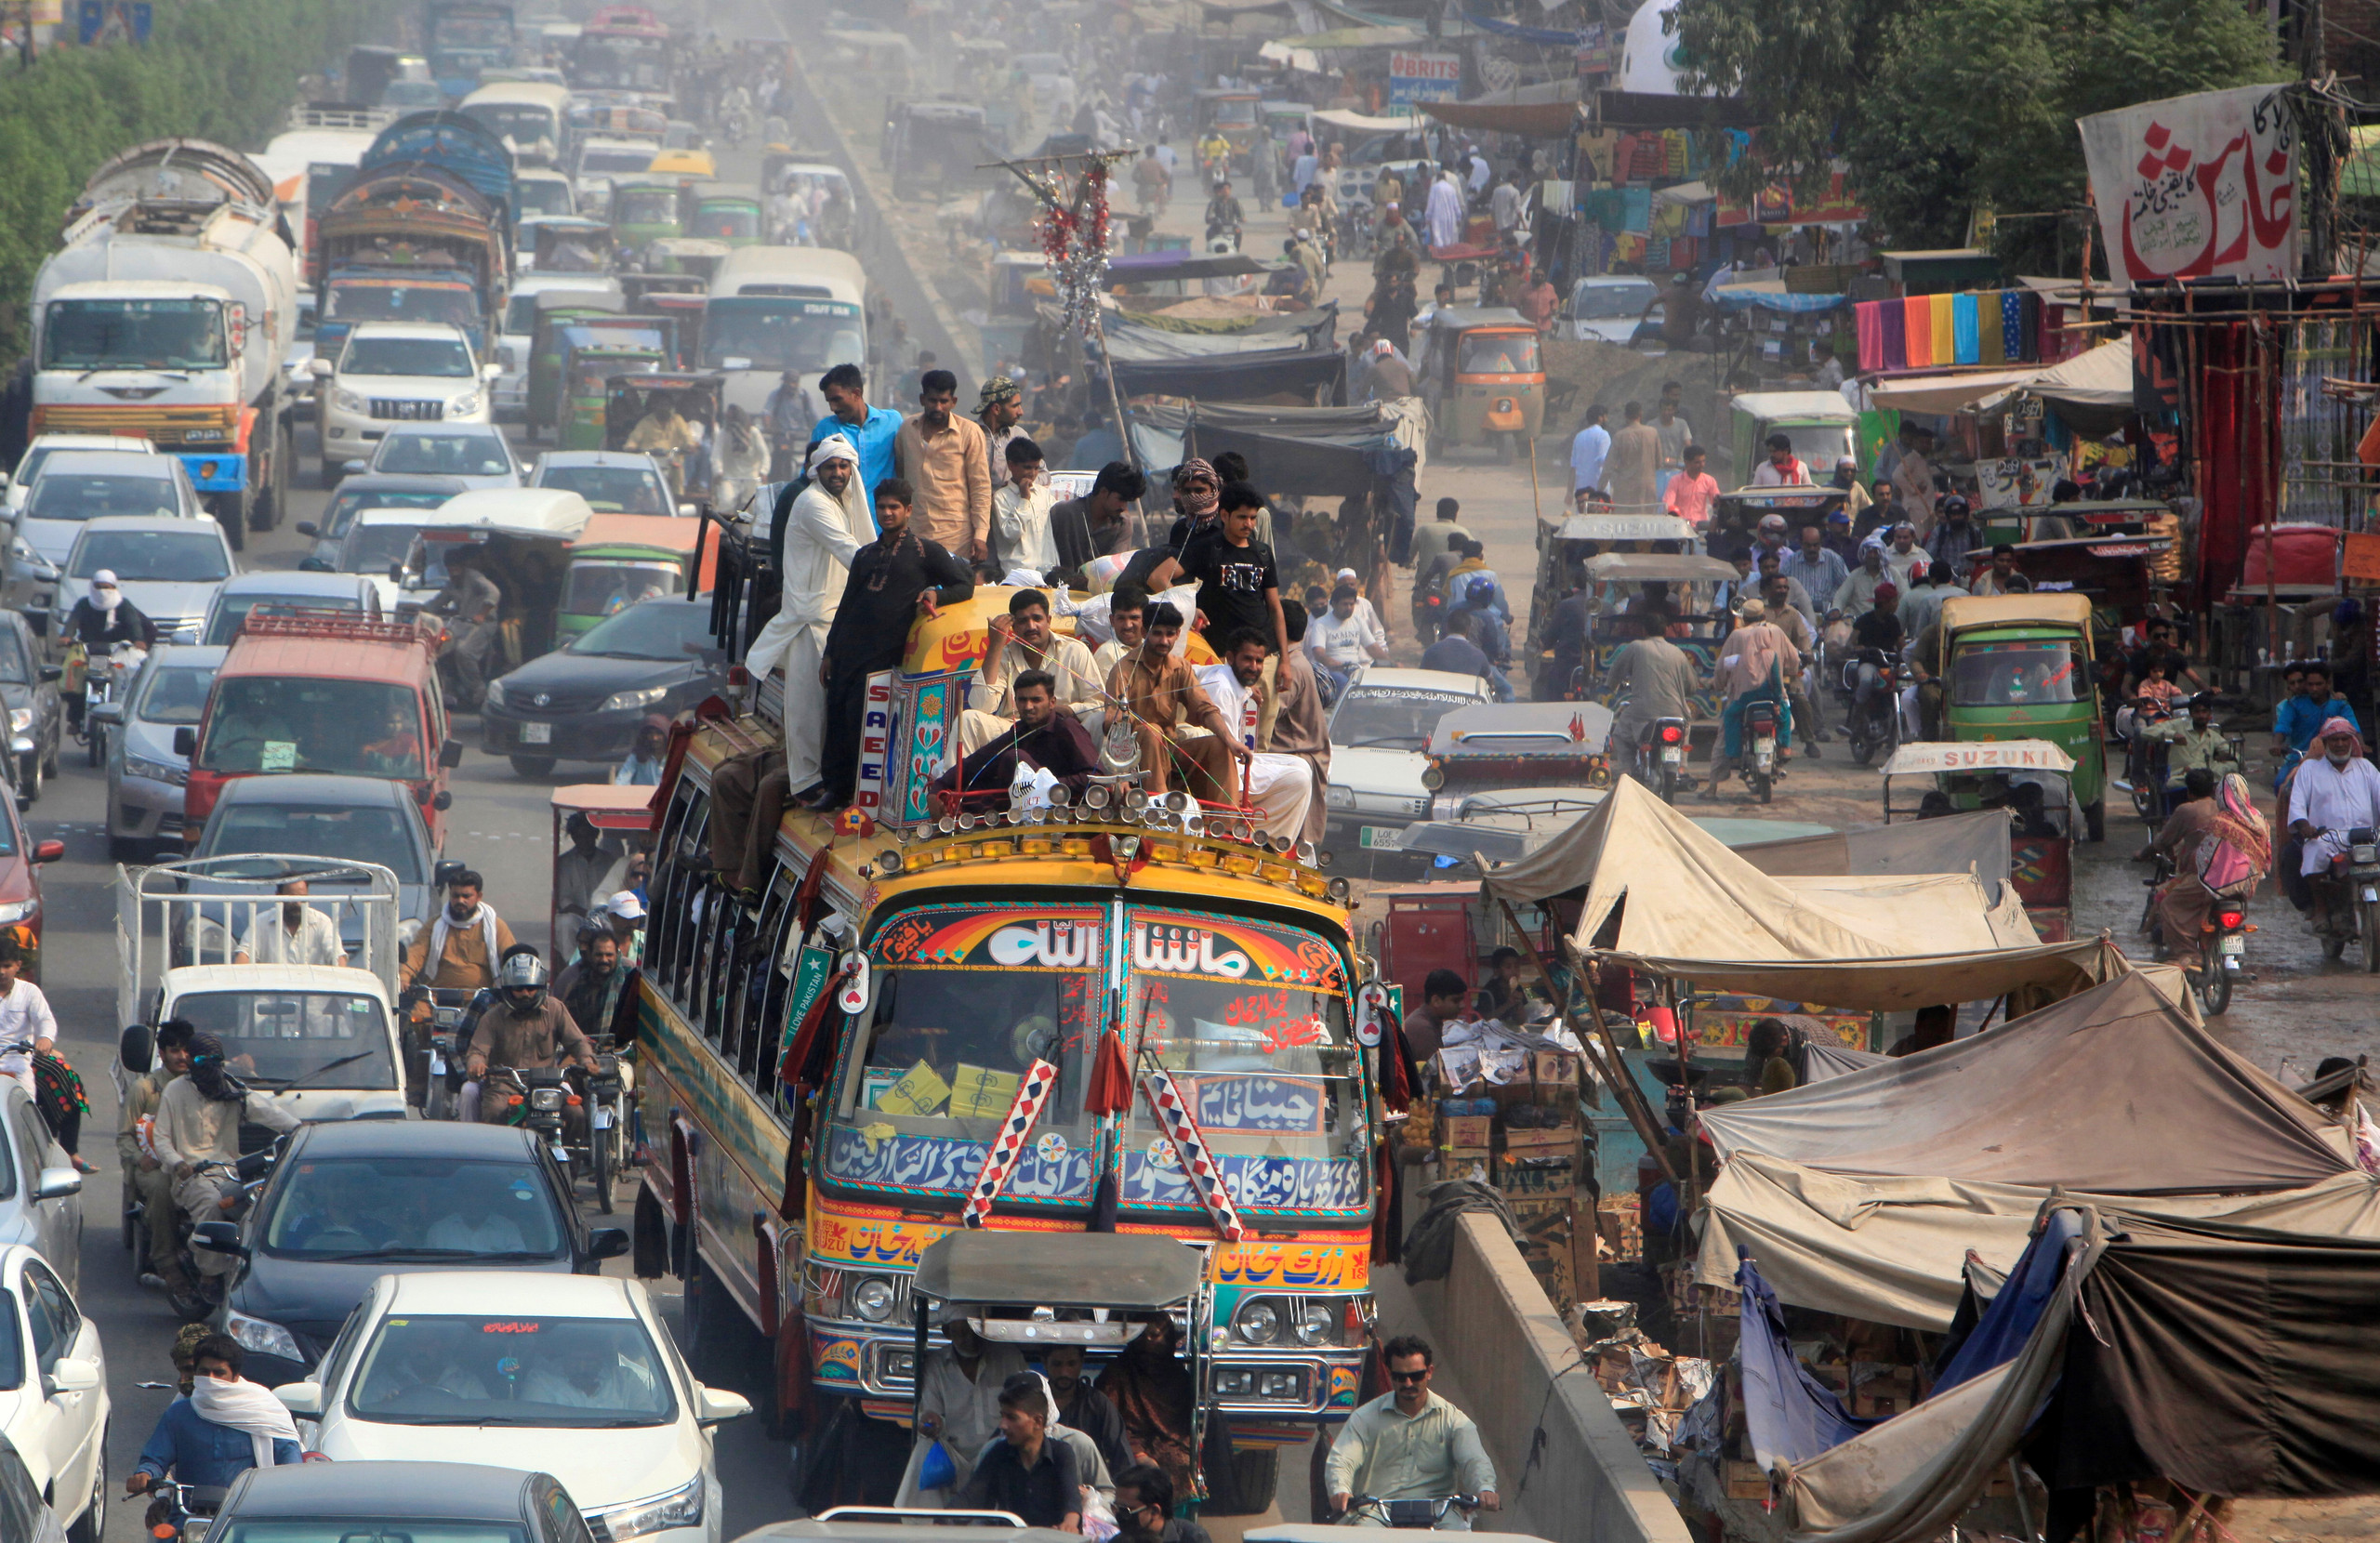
(437, 358)
(373, 301)
(776, 332)
(273, 1037)
(133, 334)
(2026, 674)
(276, 723)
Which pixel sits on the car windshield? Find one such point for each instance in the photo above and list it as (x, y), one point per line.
(571, 1373)
(611, 488)
(1605, 301)
(347, 501)
(732, 223)
(175, 557)
(133, 334)
(74, 495)
(176, 694)
(274, 1038)
(315, 723)
(779, 332)
(1499, 353)
(666, 631)
(443, 454)
(440, 358)
(607, 588)
(370, 548)
(1390, 717)
(644, 206)
(397, 302)
(540, 195)
(2014, 675)
(230, 611)
(362, 1207)
(14, 667)
(360, 1530)
(380, 834)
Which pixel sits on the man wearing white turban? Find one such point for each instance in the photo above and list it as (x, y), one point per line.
(823, 530)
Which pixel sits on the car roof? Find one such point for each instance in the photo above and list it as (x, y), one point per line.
(373, 519)
(291, 582)
(120, 463)
(334, 980)
(623, 458)
(148, 522)
(396, 481)
(316, 790)
(458, 1492)
(1422, 680)
(483, 1291)
(417, 1139)
(404, 329)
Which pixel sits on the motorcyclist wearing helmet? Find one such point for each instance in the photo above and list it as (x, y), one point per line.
(1955, 534)
(526, 1028)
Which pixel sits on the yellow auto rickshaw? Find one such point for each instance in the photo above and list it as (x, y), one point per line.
(1483, 379)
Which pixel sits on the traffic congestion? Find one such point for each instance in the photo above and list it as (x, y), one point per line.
(787, 773)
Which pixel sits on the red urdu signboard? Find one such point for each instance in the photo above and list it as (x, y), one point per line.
(2203, 186)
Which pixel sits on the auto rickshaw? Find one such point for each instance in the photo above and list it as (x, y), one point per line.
(1482, 379)
(629, 399)
(623, 816)
(685, 164)
(1230, 114)
(2041, 847)
(551, 352)
(1564, 540)
(587, 377)
(694, 256)
(1615, 578)
(645, 209)
(621, 559)
(555, 309)
(729, 213)
(570, 243)
(2021, 666)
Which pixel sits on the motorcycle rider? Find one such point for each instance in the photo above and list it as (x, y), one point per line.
(459, 950)
(526, 1029)
(134, 1146)
(2330, 795)
(1409, 1444)
(99, 621)
(1225, 216)
(219, 1429)
(198, 1121)
(1650, 678)
(1880, 629)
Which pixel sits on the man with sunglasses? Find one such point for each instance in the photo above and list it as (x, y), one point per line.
(1409, 1445)
(1145, 1502)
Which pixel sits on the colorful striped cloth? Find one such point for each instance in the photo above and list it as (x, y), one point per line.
(1868, 317)
(1894, 314)
(1941, 333)
(1967, 346)
(1918, 313)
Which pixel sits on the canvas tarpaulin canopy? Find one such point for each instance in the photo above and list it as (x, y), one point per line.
(1975, 842)
(1130, 340)
(1661, 895)
(1535, 111)
(1324, 450)
(2230, 1360)
(1238, 376)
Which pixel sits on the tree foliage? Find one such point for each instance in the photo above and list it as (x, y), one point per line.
(221, 69)
(1944, 106)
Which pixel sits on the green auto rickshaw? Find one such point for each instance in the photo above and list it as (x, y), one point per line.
(551, 349)
(729, 212)
(587, 393)
(621, 559)
(632, 422)
(555, 309)
(696, 257)
(646, 209)
(2023, 666)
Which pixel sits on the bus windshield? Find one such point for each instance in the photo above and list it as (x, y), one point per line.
(772, 331)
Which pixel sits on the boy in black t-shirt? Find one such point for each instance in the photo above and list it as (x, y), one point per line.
(1239, 587)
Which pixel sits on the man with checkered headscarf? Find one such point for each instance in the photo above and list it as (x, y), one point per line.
(1001, 409)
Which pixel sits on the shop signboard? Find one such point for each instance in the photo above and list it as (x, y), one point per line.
(1420, 77)
(2203, 186)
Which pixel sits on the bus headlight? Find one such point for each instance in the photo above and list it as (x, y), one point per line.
(1258, 1321)
(872, 1299)
(1316, 1324)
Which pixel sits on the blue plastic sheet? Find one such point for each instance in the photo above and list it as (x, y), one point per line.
(1791, 1415)
(2008, 1322)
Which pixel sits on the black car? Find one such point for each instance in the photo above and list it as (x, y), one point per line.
(583, 701)
(370, 489)
(429, 1502)
(349, 1201)
(36, 717)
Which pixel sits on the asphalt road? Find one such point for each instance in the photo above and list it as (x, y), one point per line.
(500, 825)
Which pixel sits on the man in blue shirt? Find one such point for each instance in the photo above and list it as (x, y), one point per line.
(1588, 448)
(2295, 721)
(871, 430)
(225, 1425)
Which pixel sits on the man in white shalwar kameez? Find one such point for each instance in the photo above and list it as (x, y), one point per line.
(1280, 786)
(2329, 794)
(822, 535)
(960, 1405)
(1443, 212)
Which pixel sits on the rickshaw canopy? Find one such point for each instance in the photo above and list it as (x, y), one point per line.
(2059, 607)
(1129, 1272)
(660, 531)
(629, 394)
(1930, 756)
(606, 805)
(1673, 567)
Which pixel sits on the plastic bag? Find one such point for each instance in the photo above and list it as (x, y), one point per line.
(1098, 1517)
(938, 1471)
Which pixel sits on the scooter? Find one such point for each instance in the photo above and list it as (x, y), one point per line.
(1661, 755)
(1760, 760)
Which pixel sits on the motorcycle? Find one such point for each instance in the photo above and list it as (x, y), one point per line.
(199, 1296)
(2353, 878)
(179, 1512)
(104, 680)
(1873, 726)
(606, 1126)
(536, 1098)
(2222, 948)
(1422, 1514)
(1661, 755)
(438, 1024)
(1760, 755)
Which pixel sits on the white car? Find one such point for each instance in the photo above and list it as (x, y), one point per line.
(1609, 308)
(392, 374)
(55, 1413)
(19, 482)
(568, 1375)
(1377, 731)
(613, 482)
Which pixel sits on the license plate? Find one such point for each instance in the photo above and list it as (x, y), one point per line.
(437, 1065)
(1764, 746)
(602, 1117)
(536, 734)
(1672, 755)
(407, 410)
(2231, 945)
(1382, 837)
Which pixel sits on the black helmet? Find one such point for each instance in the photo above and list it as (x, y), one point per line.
(2203, 699)
(1954, 503)
(522, 979)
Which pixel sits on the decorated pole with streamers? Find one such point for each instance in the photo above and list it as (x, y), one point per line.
(1009, 1145)
(1073, 232)
(1190, 1145)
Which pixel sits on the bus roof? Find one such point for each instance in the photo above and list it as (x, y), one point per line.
(321, 647)
(829, 273)
(533, 91)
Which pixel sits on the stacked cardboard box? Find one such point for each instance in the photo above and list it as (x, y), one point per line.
(1521, 1136)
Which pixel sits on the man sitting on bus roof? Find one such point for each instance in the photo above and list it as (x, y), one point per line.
(1043, 738)
(1022, 643)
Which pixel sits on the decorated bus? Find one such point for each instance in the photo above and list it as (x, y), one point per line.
(1109, 1014)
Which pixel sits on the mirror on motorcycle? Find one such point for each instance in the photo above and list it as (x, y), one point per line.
(220, 1237)
(450, 755)
(307, 527)
(185, 741)
(607, 1243)
(446, 873)
(441, 801)
(52, 674)
(688, 511)
(137, 1049)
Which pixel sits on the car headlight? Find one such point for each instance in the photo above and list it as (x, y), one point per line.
(348, 401)
(260, 1337)
(464, 406)
(18, 910)
(680, 1508)
(1258, 1321)
(21, 718)
(872, 1299)
(621, 702)
(495, 694)
(156, 770)
(1340, 797)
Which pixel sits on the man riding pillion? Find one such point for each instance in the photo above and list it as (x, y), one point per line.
(198, 1122)
(459, 950)
(1409, 1444)
(526, 1029)
(136, 1146)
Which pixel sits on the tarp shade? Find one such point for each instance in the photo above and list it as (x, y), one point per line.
(1364, 123)
(1947, 393)
(1152, 267)
(1832, 1059)
(1790, 1415)
(1238, 376)
(1891, 1250)
(1328, 451)
(1130, 341)
(2111, 1090)
(2009, 1321)
(2092, 392)
(1977, 841)
(1535, 111)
